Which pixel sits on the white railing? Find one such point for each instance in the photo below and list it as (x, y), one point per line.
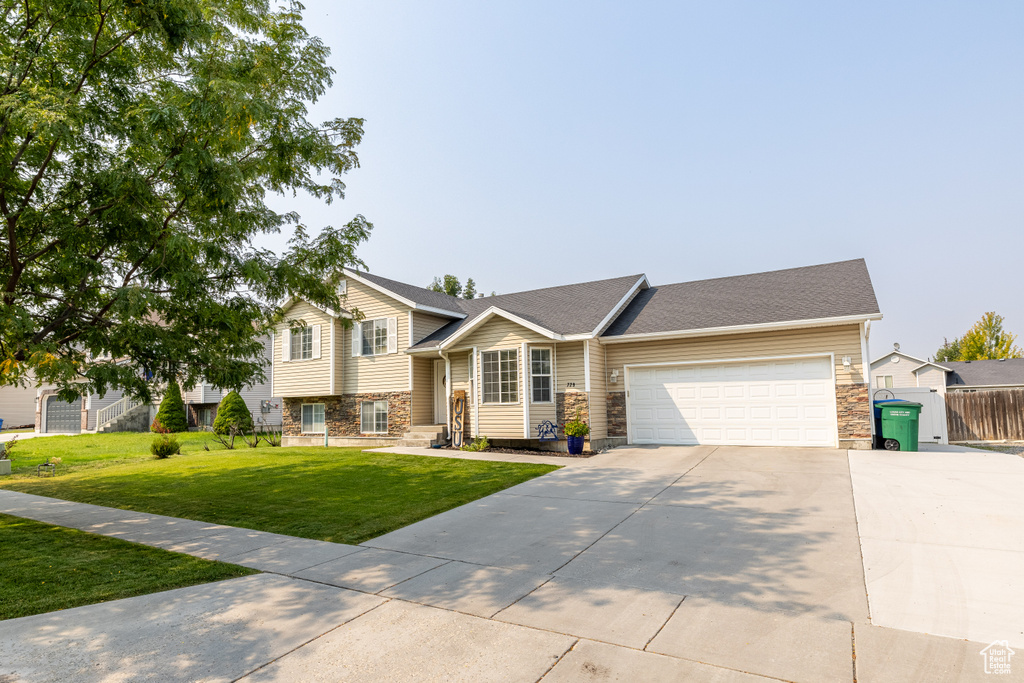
(105, 416)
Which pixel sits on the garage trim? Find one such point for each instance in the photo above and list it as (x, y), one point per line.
(718, 361)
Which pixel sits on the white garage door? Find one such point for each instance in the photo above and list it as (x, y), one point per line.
(786, 402)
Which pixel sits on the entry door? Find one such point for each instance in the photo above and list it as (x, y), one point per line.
(785, 402)
(62, 416)
(440, 393)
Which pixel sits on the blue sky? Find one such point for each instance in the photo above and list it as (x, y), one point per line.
(532, 144)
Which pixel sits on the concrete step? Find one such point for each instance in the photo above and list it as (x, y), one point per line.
(436, 436)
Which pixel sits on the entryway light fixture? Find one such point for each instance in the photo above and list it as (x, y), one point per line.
(847, 363)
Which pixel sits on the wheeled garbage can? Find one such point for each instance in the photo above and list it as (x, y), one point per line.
(899, 425)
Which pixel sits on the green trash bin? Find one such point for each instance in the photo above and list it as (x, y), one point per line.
(899, 425)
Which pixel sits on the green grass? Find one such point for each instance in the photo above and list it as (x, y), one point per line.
(47, 568)
(332, 494)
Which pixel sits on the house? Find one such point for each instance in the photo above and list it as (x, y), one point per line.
(776, 358)
(115, 412)
(898, 370)
(985, 375)
(17, 406)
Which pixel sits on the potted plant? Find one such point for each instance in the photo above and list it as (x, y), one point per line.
(575, 431)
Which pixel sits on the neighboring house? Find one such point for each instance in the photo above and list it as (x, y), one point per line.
(985, 375)
(116, 412)
(898, 370)
(17, 406)
(776, 358)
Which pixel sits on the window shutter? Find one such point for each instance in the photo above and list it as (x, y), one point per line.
(286, 346)
(357, 339)
(392, 335)
(316, 341)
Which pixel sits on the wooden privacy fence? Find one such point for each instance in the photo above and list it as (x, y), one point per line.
(986, 415)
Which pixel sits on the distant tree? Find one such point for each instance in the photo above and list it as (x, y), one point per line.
(451, 286)
(986, 340)
(171, 415)
(232, 411)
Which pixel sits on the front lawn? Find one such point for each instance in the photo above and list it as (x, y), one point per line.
(332, 494)
(46, 568)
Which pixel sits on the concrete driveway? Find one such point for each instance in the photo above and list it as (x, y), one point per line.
(700, 563)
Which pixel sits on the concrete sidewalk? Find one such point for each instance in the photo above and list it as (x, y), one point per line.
(710, 564)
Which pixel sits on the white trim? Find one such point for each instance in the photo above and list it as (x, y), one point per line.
(830, 355)
(867, 375)
(618, 307)
(410, 373)
(410, 329)
(959, 387)
(301, 406)
(586, 366)
(928, 362)
(737, 329)
(374, 402)
(554, 374)
(519, 380)
(330, 357)
(525, 399)
(491, 312)
(408, 302)
(899, 353)
(551, 359)
(476, 393)
(290, 301)
(447, 392)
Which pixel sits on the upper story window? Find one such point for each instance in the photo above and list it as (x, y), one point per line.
(500, 376)
(302, 344)
(375, 337)
(540, 375)
(883, 381)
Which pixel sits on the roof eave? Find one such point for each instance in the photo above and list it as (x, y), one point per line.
(398, 297)
(738, 329)
(618, 308)
(490, 313)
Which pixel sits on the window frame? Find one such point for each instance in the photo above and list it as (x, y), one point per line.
(506, 394)
(312, 420)
(374, 327)
(297, 344)
(884, 382)
(376, 416)
(550, 375)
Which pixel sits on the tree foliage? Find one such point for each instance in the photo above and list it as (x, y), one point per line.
(171, 415)
(138, 140)
(986, 340)
(232, 411)
(451, 286)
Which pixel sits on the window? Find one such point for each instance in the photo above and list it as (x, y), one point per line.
(540, 375)
(302, 344)
(375, 337)
(312, 418)
(883, 382)
(373, 417)
(501, 376)
(206, 417)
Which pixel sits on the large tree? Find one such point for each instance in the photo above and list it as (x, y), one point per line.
(986, 340)
(451, 286)
(138, 142)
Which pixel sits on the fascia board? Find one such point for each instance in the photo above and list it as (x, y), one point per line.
(737, 329)
(617, 308)
(495, 311)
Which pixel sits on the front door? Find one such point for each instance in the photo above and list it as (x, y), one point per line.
(440, 393)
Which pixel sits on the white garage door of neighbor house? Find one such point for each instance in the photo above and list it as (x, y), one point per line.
(784, 402)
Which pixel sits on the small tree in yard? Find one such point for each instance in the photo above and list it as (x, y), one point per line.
(171, 415)
(232, 412)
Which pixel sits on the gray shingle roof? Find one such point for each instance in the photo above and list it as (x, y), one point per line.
(569, 309)
(980, 373)
(419, 295)
(824, 291)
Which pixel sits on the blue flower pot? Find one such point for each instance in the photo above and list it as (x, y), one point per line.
(575, 444)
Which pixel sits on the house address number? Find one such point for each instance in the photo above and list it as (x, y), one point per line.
(569, 385)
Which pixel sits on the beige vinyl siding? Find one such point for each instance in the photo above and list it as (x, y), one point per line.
(424, 324)
(423, 391)
(367, 374)
(932, 378)
(840, 340)
(570, 367)
(902, 371)
(18, 406)
(501, 421)
(540, 412)
(598, 392)
(304, 377)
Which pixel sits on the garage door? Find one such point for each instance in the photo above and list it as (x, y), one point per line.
(787, 402)
(62, 416)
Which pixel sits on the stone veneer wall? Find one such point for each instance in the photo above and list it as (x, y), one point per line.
(341, 413)
(566, 404)
(617, 413)
(853, 405)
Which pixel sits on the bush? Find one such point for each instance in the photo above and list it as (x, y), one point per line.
(165, 447)
(171, 415)
(479, 444)
(233, 411)
(157, 427)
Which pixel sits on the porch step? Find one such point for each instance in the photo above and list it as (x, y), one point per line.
(424, 436)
